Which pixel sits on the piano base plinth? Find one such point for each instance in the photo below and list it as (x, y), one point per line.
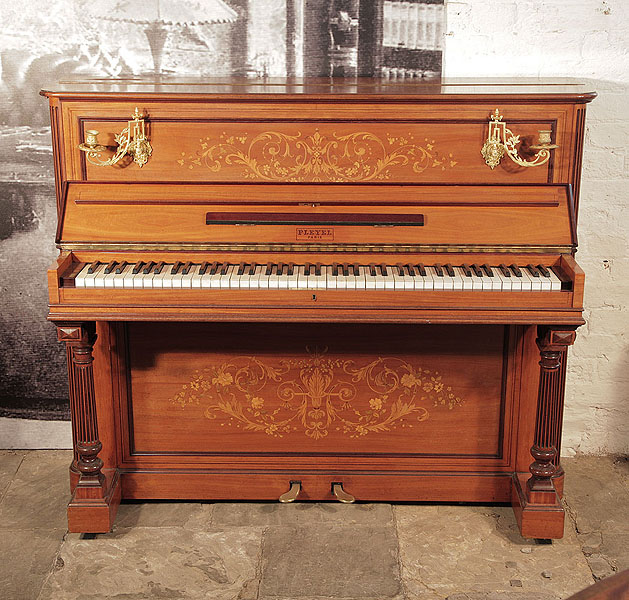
(93, 508)
(536, 520)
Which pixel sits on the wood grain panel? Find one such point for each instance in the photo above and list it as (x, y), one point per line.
(322, 389)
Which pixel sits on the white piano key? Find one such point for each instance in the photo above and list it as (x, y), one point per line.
(458, 279)
(437, 281)
(79, 280)
(225, 277)
(195, 280)
(292, 279)
(350, 279)
(254, 280)
(398, 280)
(320, 281)
(506, 282)
(546, 283)
(389, 279)
(555, 282)
(99, 276)
(90, 278)
(448, 281)
(495, 281)
(283, 279)
(330, 279)
(361, 279)
(527, 282)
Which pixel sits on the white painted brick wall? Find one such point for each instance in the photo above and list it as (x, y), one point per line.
(587, 39)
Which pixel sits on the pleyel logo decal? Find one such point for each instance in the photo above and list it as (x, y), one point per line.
(314, 233)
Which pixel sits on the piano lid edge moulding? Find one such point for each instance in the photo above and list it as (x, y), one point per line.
(324, 290)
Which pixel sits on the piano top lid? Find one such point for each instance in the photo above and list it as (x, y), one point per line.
(446, 90)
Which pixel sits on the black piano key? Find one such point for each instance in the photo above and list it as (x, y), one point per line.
(138, 267)
(372, 270)
(383, 269)
(149, 267)
(269, 269)
(121, 267)
(345, 268)
(335, 269)
(159, 267)
(241, 268)
(487, 270)
(504, 270)
(214, 267)
(94, 266)
(318, 269)
(410, 269)
(110, 267)
(421, 269)
(477, 270)
(224, 268)
(186, 268)
(400, 269)
(516, 270)
(204, 267)
(252, 268)
(449, 270)
(307, 268)
(356, 268)
(532, 270)
(439, 270)
(176, 267)
(543, 270)
(466, 270)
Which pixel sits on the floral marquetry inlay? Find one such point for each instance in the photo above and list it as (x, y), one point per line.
(355, 157)
(317, 394)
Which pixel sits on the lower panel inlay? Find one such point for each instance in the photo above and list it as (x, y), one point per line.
(322, 389)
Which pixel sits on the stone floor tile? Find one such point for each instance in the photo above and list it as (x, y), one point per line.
(597, 493)
(39, 493)
(9, 462)
(300, 514)
(330, 561)
(156, 514)
(465, 549)
(157, 562)
(27, 558)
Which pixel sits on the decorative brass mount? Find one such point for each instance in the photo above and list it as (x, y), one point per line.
(501, 140)
(131, 140)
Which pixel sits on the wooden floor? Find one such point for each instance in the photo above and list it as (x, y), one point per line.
(304, 551)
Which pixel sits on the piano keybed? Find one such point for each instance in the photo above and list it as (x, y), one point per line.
(316, 276)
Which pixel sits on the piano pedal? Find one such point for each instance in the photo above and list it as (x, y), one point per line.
(341, 494)
(292, 493)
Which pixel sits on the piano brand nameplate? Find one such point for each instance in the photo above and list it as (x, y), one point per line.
(318, 234)
(316, 389)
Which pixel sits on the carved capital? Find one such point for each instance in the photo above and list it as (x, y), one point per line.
(555, 339)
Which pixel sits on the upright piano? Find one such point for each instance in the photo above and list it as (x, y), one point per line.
(317, 290)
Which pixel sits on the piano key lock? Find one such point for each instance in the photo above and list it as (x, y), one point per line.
(501, 141)
(132, 141)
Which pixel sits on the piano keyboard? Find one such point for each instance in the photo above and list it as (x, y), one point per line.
(311, 276)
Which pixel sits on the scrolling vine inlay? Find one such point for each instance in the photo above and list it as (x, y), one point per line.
(316, 394)
(355, 157)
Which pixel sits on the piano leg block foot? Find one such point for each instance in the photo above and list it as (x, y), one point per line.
(535, 519)
(93, 508)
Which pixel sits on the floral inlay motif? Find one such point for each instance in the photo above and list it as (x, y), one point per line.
(276, 156)
(316, 394)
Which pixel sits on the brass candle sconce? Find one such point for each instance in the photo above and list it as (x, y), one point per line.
(501, 141)
(131, 140)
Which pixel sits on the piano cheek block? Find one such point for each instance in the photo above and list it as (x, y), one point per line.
(318, 292)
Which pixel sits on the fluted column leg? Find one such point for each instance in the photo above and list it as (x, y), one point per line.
(535, 498)
(91, 504)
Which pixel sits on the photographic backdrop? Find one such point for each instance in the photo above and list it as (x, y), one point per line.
(45, 41)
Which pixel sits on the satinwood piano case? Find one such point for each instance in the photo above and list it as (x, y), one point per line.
(317, 290)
